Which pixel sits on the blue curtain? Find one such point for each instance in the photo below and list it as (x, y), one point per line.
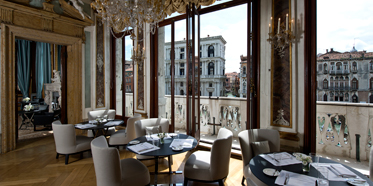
(23, 66)
(59, 47)
(42, 66)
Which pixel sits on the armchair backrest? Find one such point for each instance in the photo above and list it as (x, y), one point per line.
(64, 138)
(130, 129)
(92, 115)
(107, 163)
(246, 137)
(140, 125)
(221, 153)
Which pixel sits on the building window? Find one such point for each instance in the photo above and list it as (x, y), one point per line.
(210, 84)
(181, 84)
(325, 67)
(325, 84)
(244, 70)
(371, 83)
(354, 66)
(371, 65)
(331, 96)
(211, 68)
(200, 51)
(181, 72)
(181, 53)
(210, 94)
(339, 66)
(371, 98)
(181, 92)
(332, 66)
(346, 96)
(354, 84)
(211, 51)
(325, 97)
(355, 99)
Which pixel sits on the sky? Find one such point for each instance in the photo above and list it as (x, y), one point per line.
(341, 23)
(230, 23)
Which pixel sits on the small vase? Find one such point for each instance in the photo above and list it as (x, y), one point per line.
(306, 168)
(162, 141)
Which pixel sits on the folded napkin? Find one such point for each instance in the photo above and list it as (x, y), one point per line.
(92, 121)
(113, 123)
(85, 126)
(142, 148)
(286, 159)
(294, 179)
(185, 143)
(337, 172)
(155, 137)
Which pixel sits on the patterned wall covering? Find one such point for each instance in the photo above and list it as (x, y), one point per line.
(281, 74)
(100, 64)
(140, 79)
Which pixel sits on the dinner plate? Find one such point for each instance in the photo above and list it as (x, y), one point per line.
(172, 134)
(357, 183)
(271, 172)
(177, 148)
(134, 142)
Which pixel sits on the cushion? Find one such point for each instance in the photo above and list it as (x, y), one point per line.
(153, 130)
(260, 147)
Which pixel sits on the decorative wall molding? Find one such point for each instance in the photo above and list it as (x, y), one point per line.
(48, 7)
(6, 15)
(100, 64)
(47, 25)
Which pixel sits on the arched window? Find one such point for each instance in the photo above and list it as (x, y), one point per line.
(325, 67)
(371, 98)
(354, 66)
(355, 99)
(354, 84)
(244, 70)
(211, 68)
(331, 82)
(331, 97)
(210, 51)
(325, 97)
(371, 83)
(244, 86)
(339, 66)
(371, 65)
(181, 92)
(325, 84)
(347, 96)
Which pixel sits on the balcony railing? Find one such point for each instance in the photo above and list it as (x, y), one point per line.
(337, 125)
(344, 88)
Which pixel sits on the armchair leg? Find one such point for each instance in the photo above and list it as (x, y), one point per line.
(221, 182)
(169, 163)
(66, 159)
(58, 155)
(185, 181)
(81, 155)
(243, 181)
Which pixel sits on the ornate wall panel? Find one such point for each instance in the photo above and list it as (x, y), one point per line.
(140, 83)
(100, 64)
(281, 112)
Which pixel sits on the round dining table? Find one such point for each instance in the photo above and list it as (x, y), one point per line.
(99, 126)
(163, 151)
(258, 163)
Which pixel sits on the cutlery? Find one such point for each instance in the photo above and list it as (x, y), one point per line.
(333, 171)
(286, 179)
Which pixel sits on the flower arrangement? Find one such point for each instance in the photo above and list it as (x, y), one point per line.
(28, 107)
(26, 99)
(306, 160)
(162, 136)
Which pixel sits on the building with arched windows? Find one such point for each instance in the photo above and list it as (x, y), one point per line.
(243, 76)
(212, 66)
(345, 77)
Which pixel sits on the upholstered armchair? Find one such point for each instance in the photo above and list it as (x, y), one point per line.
(122, 137)
(92, 115)
(111, 170)
(210, 166)
(67, 143)
(140, 129)
(246, 138)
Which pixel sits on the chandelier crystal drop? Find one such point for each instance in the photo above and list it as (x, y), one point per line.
(125, 15)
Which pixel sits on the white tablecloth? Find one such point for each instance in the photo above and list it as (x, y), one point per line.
(295, 179)
(286, 159)
(142, 148)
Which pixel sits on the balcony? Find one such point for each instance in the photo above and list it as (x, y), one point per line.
(339, 72)
(338, 124)
(344, 88)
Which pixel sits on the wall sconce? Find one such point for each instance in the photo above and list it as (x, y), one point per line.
(283, 38)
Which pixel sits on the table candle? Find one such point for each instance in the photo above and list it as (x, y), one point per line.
(287, 21)
(278, 25)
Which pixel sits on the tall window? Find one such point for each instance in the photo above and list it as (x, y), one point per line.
(325, 97)
(332, 66)
(371, 65)
(354, 66)
(210, 84)
(331, 82)
(339, 66)
(244, 70)
(211, 68)
(347, 96)
(181, 92)
(325, 67)
(371, 83)
(200, 51)
(355, 98)
(210, 51)
(354, 84)
(325, 84)
(181, 84)
(182, 53)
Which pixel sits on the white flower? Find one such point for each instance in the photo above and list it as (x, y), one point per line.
(28, 107)
(26, 99)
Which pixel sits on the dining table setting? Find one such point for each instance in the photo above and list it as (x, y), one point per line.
(294, 169)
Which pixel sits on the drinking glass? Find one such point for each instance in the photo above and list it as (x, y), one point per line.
(315, 158)
(322, 177)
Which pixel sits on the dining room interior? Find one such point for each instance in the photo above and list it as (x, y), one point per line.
(233, 80)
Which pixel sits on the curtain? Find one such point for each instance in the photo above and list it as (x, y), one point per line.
(59, 47)
(42, 66)
(23, 66)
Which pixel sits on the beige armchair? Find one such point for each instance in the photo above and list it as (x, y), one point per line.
(210, 166)
(67, 143)
(247, 137)
(92, 115)
(111, 170)
(122, 137)
(140, 129)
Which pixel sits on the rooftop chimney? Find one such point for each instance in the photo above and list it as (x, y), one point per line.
(331, 50)
(327, 50)
(208, 35)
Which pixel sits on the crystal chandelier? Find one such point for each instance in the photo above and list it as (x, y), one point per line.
(283, 38)
(125, 15)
